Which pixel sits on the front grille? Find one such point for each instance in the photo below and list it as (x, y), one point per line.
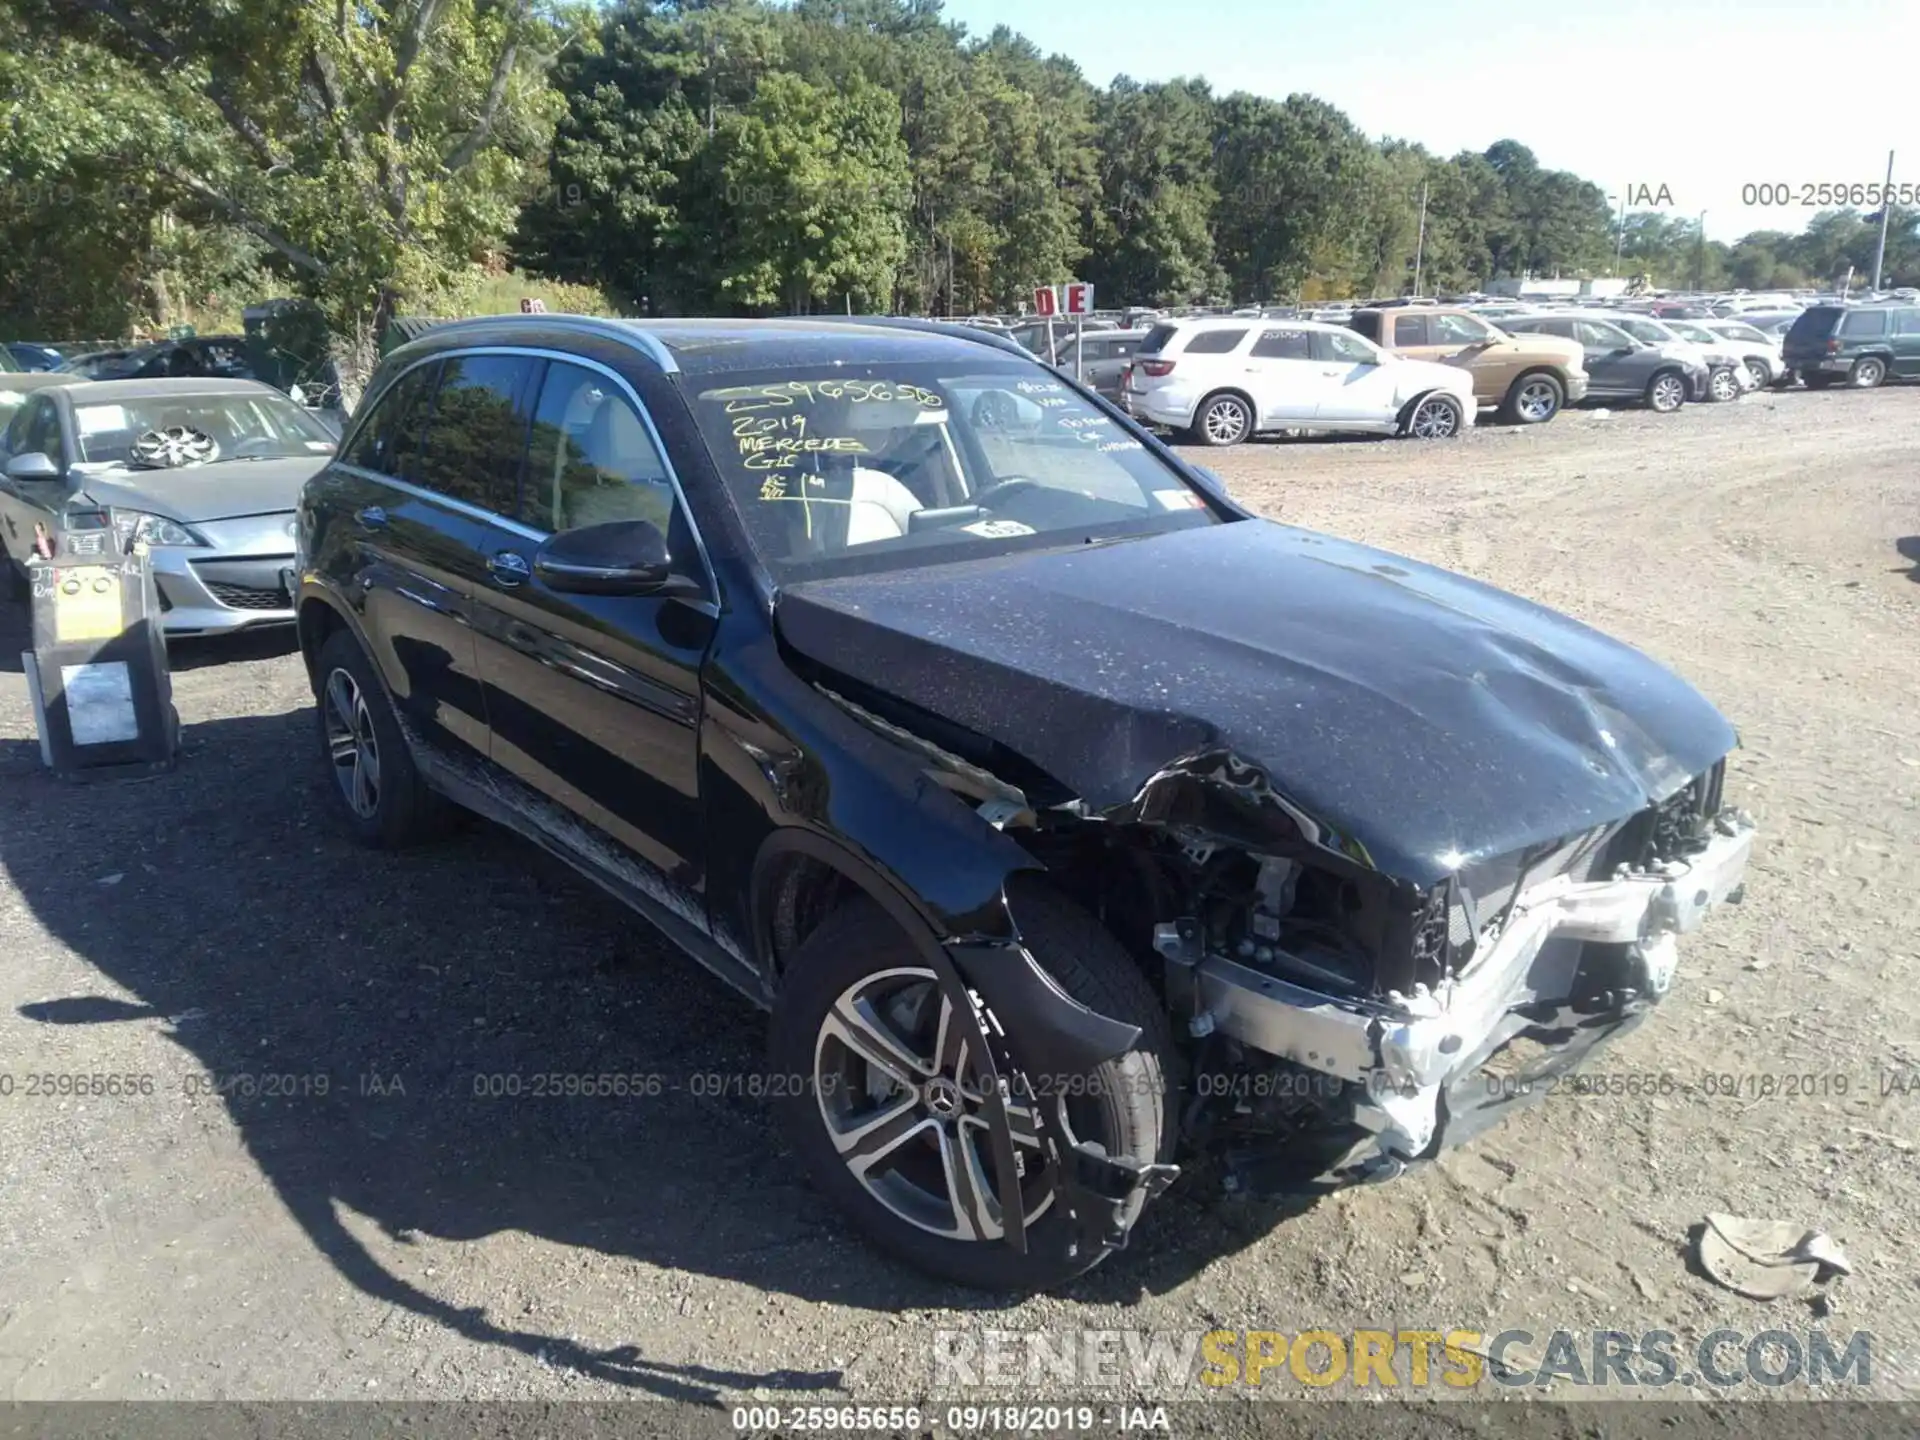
(249, 597)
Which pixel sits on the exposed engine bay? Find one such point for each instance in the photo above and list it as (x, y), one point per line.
(1343, 1023)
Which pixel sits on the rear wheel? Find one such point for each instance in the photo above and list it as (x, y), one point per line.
(1436, 417)
(1223, 420)
(1867, 372)
(1762, 374)
(1666, 392)
(1533, 399)
(891, 1120)
(384, 799)
(1723, 385)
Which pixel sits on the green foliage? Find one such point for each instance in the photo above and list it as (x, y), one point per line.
(378, 152)
(168, 160)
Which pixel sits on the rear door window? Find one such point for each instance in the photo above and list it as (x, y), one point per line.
(1214, 342)
(476, 440)
(390, 436)
(1906, 322)
(1410, 330)
(1281, 344)
(1864, 323)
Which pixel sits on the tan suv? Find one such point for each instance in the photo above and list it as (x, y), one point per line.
(1529, 377)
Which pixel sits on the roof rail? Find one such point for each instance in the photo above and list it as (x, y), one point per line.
(625, 331)
(959, 331)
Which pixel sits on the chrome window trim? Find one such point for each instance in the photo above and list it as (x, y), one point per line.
(477, 512)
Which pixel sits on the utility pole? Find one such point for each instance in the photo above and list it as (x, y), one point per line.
(1886, 212)
(1619, 234)
(1700, 254)
(1420, 243)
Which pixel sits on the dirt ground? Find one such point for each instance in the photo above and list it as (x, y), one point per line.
(401, 1236)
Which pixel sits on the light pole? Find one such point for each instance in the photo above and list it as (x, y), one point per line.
(1619, 234)
(1700, 254)
(1886, 211)
(1420, 244)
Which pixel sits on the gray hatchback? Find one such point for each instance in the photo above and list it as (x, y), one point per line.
(1620, 367)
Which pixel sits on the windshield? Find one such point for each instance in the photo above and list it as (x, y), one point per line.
(877, 467)
(161, 432)
(1697, 333)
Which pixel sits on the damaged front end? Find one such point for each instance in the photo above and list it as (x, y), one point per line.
(1331, 1053)
(1342, 1022)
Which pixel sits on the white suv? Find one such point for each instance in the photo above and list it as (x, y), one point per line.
(1224, 380)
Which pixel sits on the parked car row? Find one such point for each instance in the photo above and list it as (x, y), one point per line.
(1427, 370)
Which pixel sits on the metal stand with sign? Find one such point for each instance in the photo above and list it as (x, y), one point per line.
(97, 674)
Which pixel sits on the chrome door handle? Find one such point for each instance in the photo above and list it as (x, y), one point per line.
(371, 518)
(509, 567)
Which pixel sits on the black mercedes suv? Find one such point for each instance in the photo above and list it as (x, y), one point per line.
(1068, 818)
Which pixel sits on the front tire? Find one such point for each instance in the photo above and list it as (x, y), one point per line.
(890, 1124)
(1867, 373)
(1436, 417)
(384, 800)
(1533, 399)
(1666, 392)
(1761, 373)
(1221, 420)
(1723, 385)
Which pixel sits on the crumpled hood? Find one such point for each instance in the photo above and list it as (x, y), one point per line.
(1428, 720)
(218, 491)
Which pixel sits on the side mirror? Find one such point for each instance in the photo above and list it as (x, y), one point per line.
(623, 557)
(32, 466)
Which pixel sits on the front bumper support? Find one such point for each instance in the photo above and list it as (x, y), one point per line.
(1408, 1053)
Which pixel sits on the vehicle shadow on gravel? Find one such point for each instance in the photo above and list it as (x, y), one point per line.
(1909, 548)
(417, 989)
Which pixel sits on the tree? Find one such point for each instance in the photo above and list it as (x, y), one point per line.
(819, 185)
(378, 150)
(1149, 231)
(1290, 178)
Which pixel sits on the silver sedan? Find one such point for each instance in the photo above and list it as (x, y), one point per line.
(206, 472)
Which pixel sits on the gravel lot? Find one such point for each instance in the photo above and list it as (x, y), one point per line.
(397, 1236)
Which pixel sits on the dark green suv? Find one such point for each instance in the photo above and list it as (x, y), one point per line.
(1859, 344)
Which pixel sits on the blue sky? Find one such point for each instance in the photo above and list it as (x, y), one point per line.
(1701, 96)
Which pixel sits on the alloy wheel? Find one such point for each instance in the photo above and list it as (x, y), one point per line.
(1866, 374)
(1723, 386)
(1762, 377)
(1668, 393)
(1538, 400)
(1435, 419)
(352, 745)
(1226, 421)
(905, 1107)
